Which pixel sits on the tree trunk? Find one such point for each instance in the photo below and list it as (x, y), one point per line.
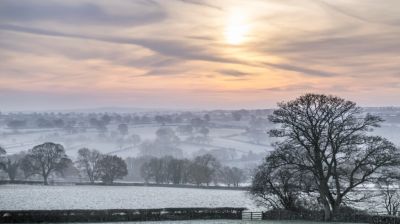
(336, 206)
(12, 178)
(91, 179)
(327, 207)
(11, 175)
(327, 212)
(45, 182)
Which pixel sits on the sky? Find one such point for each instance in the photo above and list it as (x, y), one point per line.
(195, 54)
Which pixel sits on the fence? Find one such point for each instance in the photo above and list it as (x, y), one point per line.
(117, 215)
(351, 216)
(252, 215)
(379, 219)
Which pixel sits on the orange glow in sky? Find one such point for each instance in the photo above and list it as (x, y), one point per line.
(196, 54)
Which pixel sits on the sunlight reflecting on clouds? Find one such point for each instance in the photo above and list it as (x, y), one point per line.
(237, 27)
(219, 54)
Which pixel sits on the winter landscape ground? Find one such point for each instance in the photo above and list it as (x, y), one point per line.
(135, 110)
(234, 140)
(221, 138)
(26, 197)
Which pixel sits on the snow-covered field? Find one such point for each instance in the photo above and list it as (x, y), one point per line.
(28, 138)
(22, 197)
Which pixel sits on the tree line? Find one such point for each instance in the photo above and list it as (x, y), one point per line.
(50, 159)
(202, 170)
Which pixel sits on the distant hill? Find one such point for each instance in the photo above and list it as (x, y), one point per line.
(389, 110)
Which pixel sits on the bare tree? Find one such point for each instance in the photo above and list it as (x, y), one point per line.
(327, 136)
(389, 191)
(165, 144)
(123, 129)
(155, 169)
(11, 164)
(237, 176)
(135, 140)
(203, 169)
(231, 176)
(3, 159)
(87, 162)
(100, 125)
(45, 159)
(146, 172)
(111, 168)
(2, 151)
(2, 156)
(160, 119)
(134, 165)
(279, 187)
(175, 170)
(106, 119)
(257, 129)
(16, 124)
(237, 115)
(185, 129)
(204, 131)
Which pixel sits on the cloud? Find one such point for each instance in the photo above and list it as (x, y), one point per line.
(171, 48)
(202, 3)
(350, 55)
(233, 73)
(86, 13)
(296, 87)
(341, 50)
(305, 71)
(384, 14)
(345, 46)
(165, 72)
(12, 44)
(120, 46)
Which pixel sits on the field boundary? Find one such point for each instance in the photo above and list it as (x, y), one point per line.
(119, 215)
(34, 182)
(167, 185)
(165, 214)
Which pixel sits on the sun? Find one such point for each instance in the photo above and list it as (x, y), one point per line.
(236, 28)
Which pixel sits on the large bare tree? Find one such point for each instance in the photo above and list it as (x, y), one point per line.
(2, 156)
(87, 162)
(45, 159)
(111, 168)
(204, 168)
(327, 137)
(10, 165)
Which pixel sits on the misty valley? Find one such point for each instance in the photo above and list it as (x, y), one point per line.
(200, 111)
(151, 159)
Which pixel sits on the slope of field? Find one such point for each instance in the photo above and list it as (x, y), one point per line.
(28, 138)
(23, 197)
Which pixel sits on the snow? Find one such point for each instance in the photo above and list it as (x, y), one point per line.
(26, 139)
(23, 197)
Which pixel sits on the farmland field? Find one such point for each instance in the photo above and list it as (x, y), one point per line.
(24, 197)
(26, 139)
